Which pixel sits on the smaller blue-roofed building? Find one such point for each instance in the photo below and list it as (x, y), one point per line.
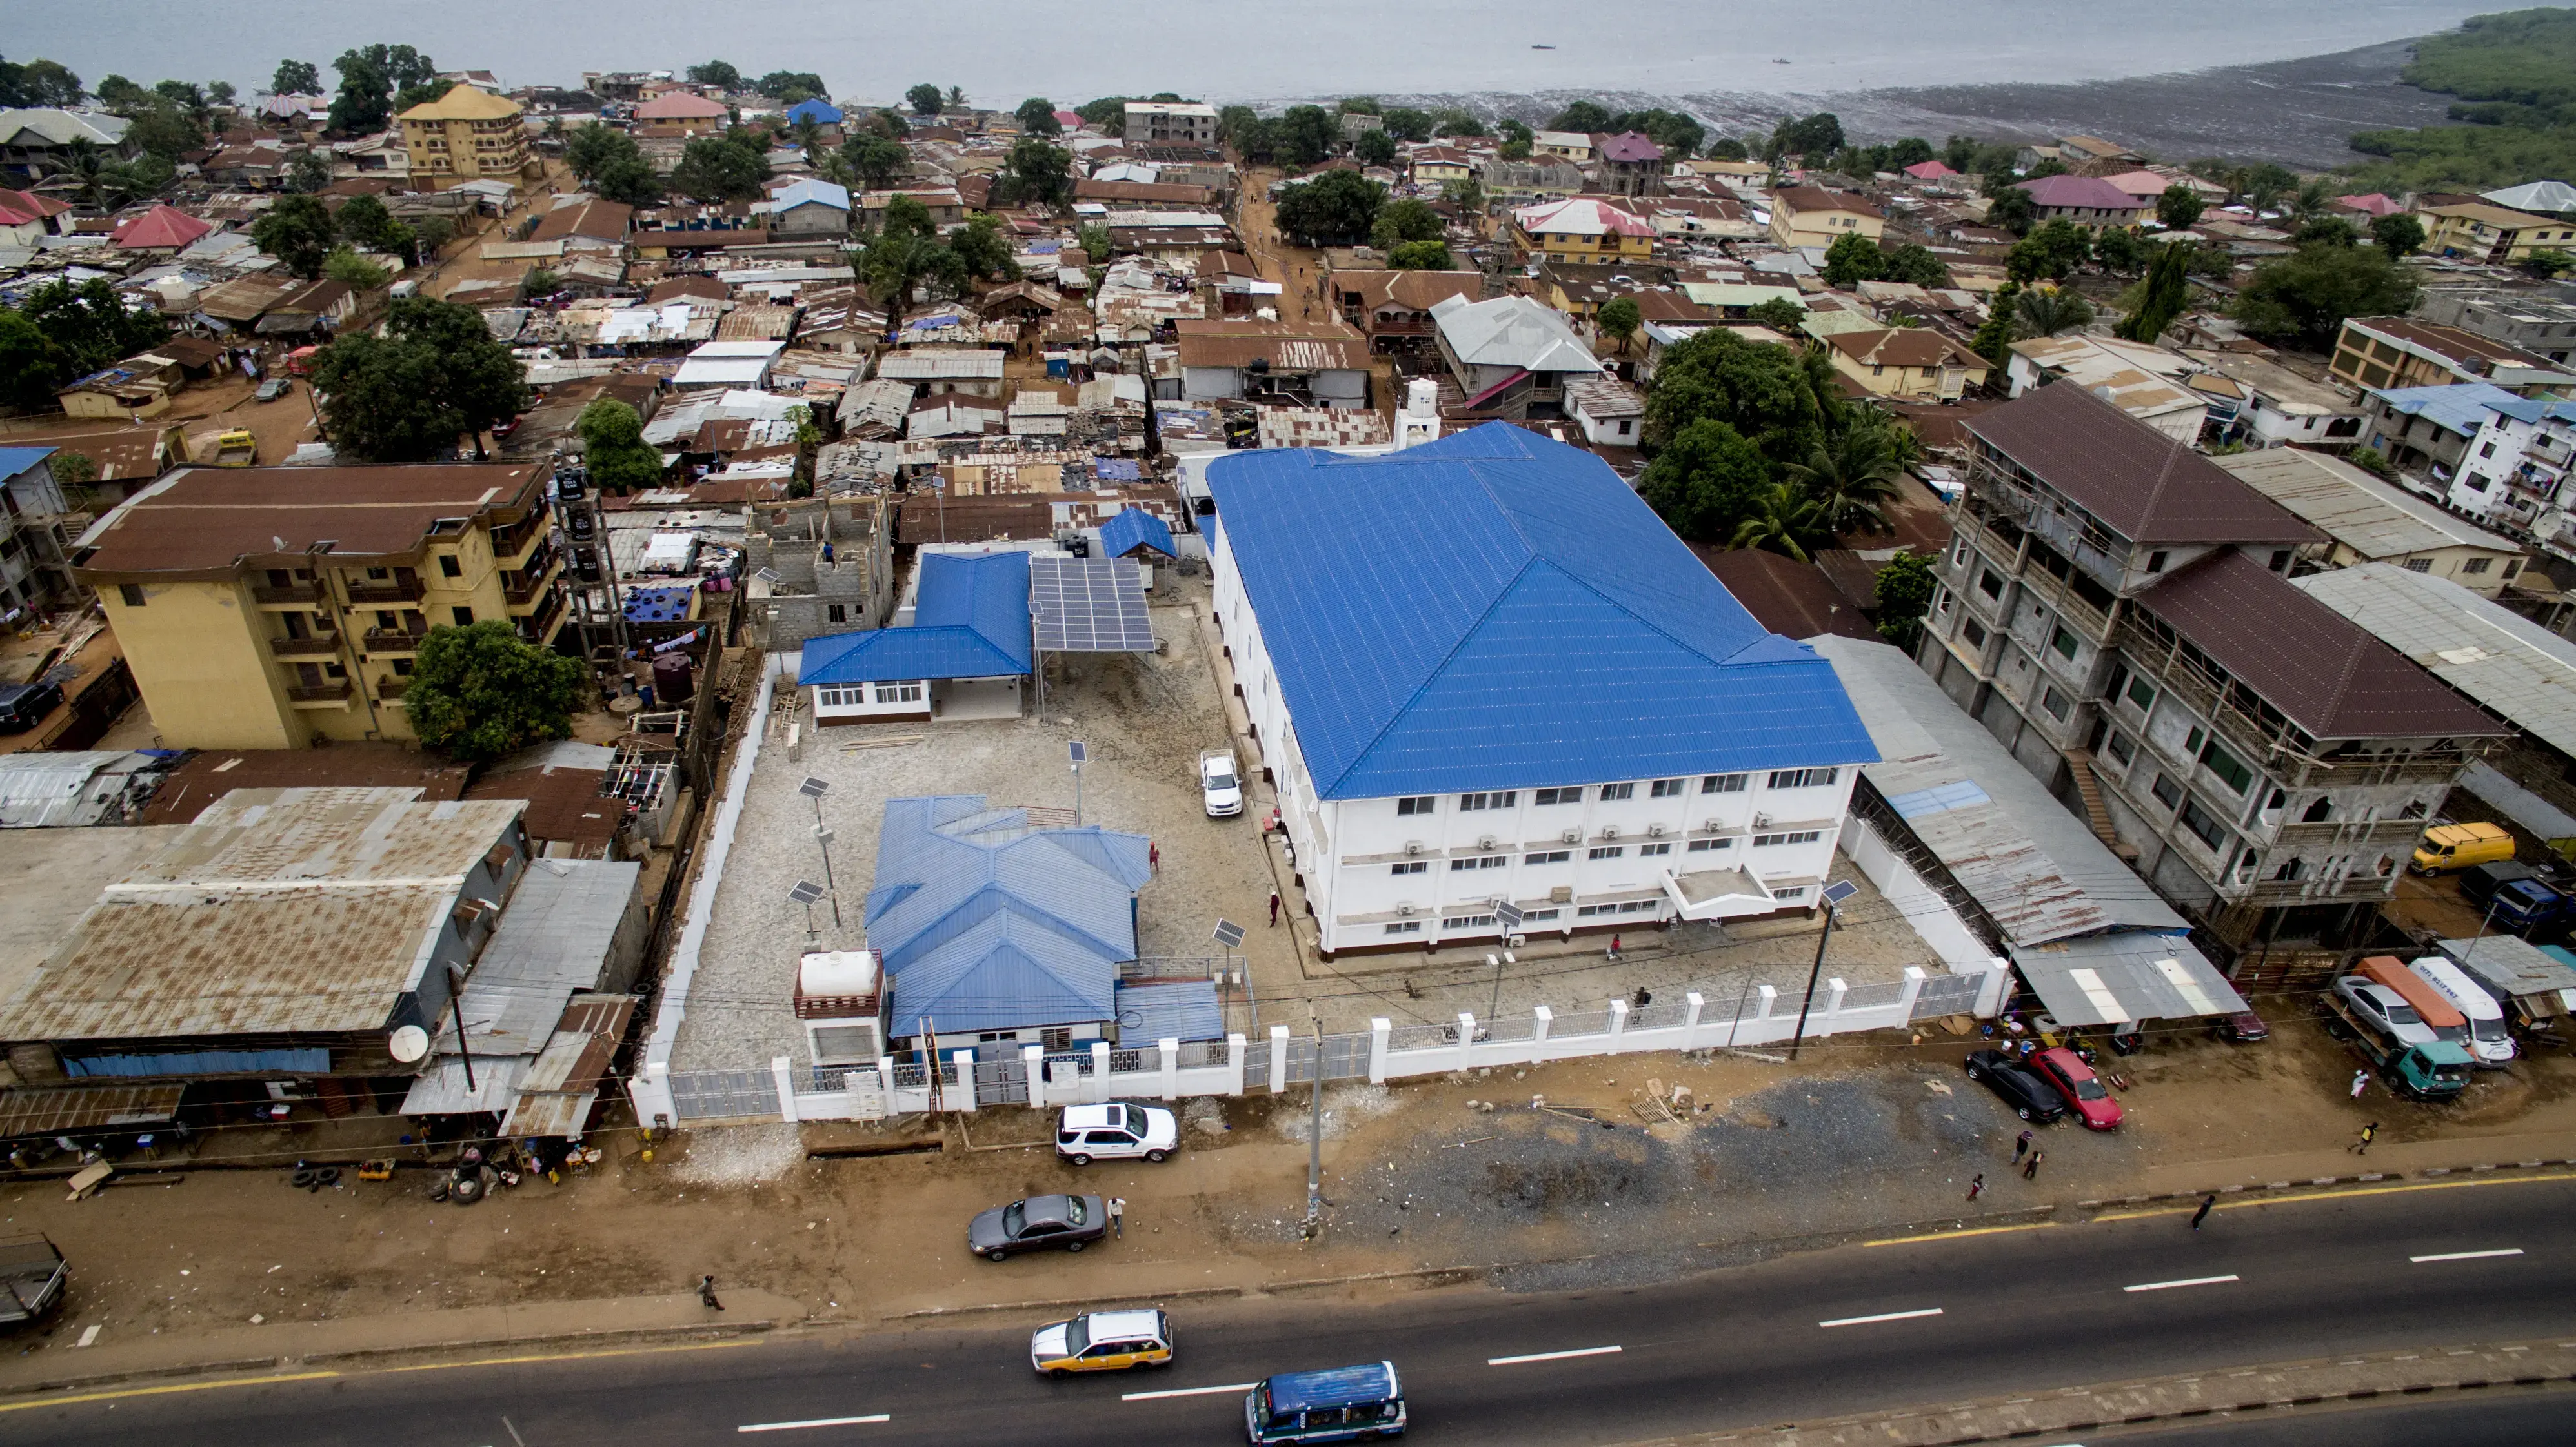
(1135, 530)
(34, 571)
(1001, 934)
(816, 109)
(810, 207)
(2478, 448)
(964, 654)
(1481, 672)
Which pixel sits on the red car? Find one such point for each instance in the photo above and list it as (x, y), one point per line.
(2075, 1080)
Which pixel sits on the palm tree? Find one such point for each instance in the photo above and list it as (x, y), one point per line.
(809, 136)
(2046, 313)
(1851, 478)
(2314, 196)
(1784, 520)
(82, 161)
(1824, 384)
(956, 98)
(898, 261)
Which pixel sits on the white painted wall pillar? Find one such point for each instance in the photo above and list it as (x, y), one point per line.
(1170, 1050)
(961, 1096)
(1990, 995)
(1098, 1091)
(1770, 999)
(1542, 1020)
(652, 1094)
(1912, 992)
(783, 1070)
(1379, 1029)
(1618, 1026)
(1033, 1064)
(1278, 1059)
(1234, 1062)
(885, 1082)
(1692, 1007)
(1466, 1040)
(1835, 989)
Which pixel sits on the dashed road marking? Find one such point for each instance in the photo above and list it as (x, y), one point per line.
(2466, 1255)
(814, 1422)
(1188, 1392)
(1550, 1356)
(2186, 1281)
(1882, 1316)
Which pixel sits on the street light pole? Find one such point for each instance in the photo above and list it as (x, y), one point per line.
(1315, 1136)
(1834, 895)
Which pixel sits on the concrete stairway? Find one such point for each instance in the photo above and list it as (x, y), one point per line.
(2095, 811)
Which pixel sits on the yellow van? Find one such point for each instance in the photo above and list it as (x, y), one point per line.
(2458, 846)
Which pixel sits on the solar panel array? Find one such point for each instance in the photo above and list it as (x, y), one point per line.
(1090, 605)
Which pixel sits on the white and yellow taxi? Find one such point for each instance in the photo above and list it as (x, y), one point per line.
(1102, 1341)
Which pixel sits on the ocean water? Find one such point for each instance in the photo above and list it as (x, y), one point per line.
(1226, 50)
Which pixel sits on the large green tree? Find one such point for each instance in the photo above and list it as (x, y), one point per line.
(296, 77)
(298, 232)
(364, 221)
(925, 99)
(88, 327)
(481, 692)
(2307, 295)
(1406, 124)
(2399, 235)
(1373, 148)
(982, 249)
(718, 73)
(1036, 116)
(874, 159)
(2046, 312)
(38, 83)
(1405, 219)
(29, 370)
(1304, 135)
(1853, 477)
(1904, 589)
(1619, 320)
(1582, 115)
(1421, 256)
(1337, 208)
(1036, 173)
(1761, 390)
(2178, 207)
(2013, 211)
(1853, 259)
(727, 167)
(1704, 480)
(613, 448)
(2162, 296)
(434, 375)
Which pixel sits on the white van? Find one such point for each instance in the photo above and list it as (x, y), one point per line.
(2488, 1043)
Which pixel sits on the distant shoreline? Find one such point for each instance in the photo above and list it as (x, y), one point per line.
(2297, 112)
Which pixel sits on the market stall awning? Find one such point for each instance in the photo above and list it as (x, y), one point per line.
(2119, 978)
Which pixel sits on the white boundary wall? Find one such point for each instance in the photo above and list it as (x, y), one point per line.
(1934, 921)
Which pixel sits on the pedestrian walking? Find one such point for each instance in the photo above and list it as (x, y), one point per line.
(1274, 909)
(2021, 1147)
(2360, 1083)
(1977, 1187)
(1614, 947)
(1118, 1216)
(2203, 1213)
(1153, 856)
(707, 1293)
(2369, 1133)
(2030, 1168)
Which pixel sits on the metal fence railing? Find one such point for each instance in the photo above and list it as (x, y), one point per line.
(1420, 1037)
(1579, 1022)
(1947, 995)
(1876, 996)
(723, 1094)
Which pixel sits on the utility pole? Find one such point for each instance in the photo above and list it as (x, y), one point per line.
(1315, 1135)
(456, 1001)
(814, 789)
(1080, 756)
(1835, 894)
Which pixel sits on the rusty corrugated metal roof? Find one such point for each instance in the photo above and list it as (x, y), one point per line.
(2143, 485)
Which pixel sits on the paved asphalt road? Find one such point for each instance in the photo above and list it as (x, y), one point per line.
(1927, 1322)
(2534, 1420)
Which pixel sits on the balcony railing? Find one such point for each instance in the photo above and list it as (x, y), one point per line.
(386, 590)
(292, 593)
(510, 541)
(388, 641)
(319, 645)
(391, 689)
(337, 692)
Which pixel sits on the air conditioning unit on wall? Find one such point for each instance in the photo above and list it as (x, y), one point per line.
(1713, 826)
(1570, 836)
(1412, 846)
(1485, 842)
(1654, 831)
(1404, 911)
(1609, 831)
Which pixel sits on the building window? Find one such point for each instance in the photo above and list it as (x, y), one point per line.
(1535, 915)
(2056, 703)
(464, 616)
(1803, 778)
(2063, 642)
(1941, 600)
(837, 612)
(2191, 742)
(449, 567)
(1546, 856)
(1794, 836)
(1722, 784)
(1974, 632)
(1800, 892)
(1408, 927)
(2167, 792)
(908, 691)
(1504, 800)
(1606, 851)
(1959, 556)
(131, 594)
(1645, 850)
(1482, 861)
(2200, 822)
(2227, 767)
(2119, 746)
(2280, 560)
(1611, 793)
(852, 697)
(1410, 866)
(1418, 804)
(1665, 789)
(1572, 795)
(1059, 1038)
(1704, 846)
(1468, 921)
(2156, 560)
(2142, 694)
(2475, 566)
(2419, 565)
(1989, 584)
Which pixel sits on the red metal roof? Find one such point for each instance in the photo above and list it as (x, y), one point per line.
(162, 226)
(2143, 485)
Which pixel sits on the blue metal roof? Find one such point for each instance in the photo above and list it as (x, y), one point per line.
(986, 923)
(15, 460)
(1135, 528)
(971, 620)
(1496, 610)
(821, 112)
(1184, 1010)
(2463, 406)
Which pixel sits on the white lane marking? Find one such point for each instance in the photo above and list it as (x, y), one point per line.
(813, 1422)
(2467, 1255)
(1883, 1316)
(1550, 1356)
(1189, 1392)
(2186, 1281)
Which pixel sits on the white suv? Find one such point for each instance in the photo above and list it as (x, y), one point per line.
(1115, 1132)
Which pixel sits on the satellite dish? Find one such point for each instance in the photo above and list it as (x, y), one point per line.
(408, 1043)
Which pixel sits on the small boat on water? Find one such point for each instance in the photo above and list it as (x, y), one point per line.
(1542, 47)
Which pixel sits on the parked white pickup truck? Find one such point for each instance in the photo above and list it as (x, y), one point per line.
(1219, 787)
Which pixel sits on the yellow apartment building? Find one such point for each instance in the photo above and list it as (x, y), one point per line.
(1814, 216)
(465, 135)
(279, 607)
(1582, 231)
(1913, 363)
(2481, 232)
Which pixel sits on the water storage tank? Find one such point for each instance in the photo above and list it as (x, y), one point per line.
(671, 679)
